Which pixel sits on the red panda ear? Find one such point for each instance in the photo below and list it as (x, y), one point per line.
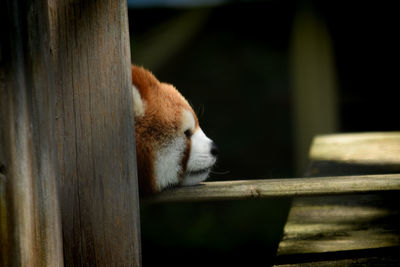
(138, 103)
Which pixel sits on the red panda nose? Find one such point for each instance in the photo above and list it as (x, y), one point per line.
(214, 149)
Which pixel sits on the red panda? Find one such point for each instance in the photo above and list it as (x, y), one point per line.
(171, 147)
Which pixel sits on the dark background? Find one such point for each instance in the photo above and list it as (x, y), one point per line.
(234, 63)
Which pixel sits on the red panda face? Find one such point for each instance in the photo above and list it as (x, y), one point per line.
(171, 147)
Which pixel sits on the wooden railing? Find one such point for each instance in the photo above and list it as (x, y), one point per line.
(275, 188)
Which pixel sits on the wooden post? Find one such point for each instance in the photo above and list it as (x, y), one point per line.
(65, 92)
(313, 72)
(95, 129)
(30, 232)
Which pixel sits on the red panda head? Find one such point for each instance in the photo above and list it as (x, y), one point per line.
(171, 147)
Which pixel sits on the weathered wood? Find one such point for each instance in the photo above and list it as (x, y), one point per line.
(361, 148)
(361, 153)
(321, 225)
(281, 188)
(30, 232)
(95, 129)
(354, 229)
(341, 231)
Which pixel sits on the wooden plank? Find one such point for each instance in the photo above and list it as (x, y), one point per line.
(362, 153)
(281, 188)
(362, 148)
(331, 228)
(95, 129)
(353, 229)
(30, 232)
(321, 225)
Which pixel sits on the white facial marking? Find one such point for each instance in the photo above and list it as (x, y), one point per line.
(168, 163)
(168, 157)
(188, 122)
(138, 104)
(200, 159)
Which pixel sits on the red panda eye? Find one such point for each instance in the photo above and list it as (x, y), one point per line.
(188, 133)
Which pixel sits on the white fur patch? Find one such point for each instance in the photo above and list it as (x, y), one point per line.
(200, 159)
(138, 103)
(188, 121)
(167, 163)
(193, 179)
(168, 157)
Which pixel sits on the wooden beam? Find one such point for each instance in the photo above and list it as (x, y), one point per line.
(95, 132)
(254, 189)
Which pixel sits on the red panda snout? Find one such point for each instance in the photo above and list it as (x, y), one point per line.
(201, 158)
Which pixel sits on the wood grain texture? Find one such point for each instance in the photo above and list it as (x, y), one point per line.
(344, 223)
(95, 129)
(246, 189)
(348, 154)
(361, 148)
(350, 230)
(30, 231)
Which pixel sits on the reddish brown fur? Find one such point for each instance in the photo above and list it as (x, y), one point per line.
(161, 121)
(185, 157)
